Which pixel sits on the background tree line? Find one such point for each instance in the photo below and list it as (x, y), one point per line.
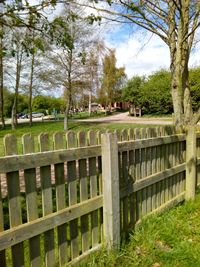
(152, 93)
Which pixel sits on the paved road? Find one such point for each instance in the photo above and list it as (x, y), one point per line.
(125, 118)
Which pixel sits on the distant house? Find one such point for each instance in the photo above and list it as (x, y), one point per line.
(121, 105)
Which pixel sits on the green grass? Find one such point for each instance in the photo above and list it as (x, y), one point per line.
(54, 126)
(170, 240)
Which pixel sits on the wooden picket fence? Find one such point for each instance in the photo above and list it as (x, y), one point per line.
(59, 205)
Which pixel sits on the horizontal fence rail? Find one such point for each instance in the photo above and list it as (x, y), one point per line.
(58, 206)
(29, 161)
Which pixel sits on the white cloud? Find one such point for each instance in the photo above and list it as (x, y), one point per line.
(142, 54)
(141, 57)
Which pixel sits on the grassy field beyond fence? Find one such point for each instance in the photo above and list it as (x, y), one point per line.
(55, 126)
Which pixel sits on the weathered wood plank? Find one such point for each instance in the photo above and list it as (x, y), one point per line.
(154, 178)
(82, 141)
(158, 169)
(191, 155)
(72, 190)
(26, 231)
(47, 204)
(153, 169)
(83, 256)
(137, 175)
(166, 164)
(100, 184)
(169, 204)
(162, 167)
(31, 201)
(124, 137)
(15, 215)
(144, 172)
(93, 189)
(60, 200)
(111, 200)
(151, 142)
(132, 180)
(149, 172)
(29, 161)
(2, 252)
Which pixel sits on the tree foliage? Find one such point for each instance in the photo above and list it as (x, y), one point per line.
(112, 80)
(152, 93)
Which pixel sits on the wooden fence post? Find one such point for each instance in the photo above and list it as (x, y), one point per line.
(111, 201)
(190, 163)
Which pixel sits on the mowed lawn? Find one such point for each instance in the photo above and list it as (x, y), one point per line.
(58, 126)
(171, 239)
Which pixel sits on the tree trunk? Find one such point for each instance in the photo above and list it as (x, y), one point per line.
(18, 73)
(1, 84)
(179, 53)
(68, 90)
(90, 102)
(66, 114)
(31, 90)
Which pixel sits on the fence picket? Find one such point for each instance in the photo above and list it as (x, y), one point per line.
(31, 201)
(125, 204)
(100, 184)
(94, 190)
(162, 166)
(82, 141)
(149, 172)
(72, 190)
(2, 253)
(144, 173)
(153, 169)
(166, 166)
(15, 215)
(60, 200)
(137, 176)
(132, 180)
(47, 205)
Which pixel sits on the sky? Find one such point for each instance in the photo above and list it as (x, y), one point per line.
(142, 53)
(139, 51)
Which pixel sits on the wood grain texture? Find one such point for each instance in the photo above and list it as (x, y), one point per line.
(47, 204)
(2, 252)
(93, 189)
(15, 215)
(72, 191)
(84, 194)
(190, 163)
(111, 200)
(58, 142)
(26, 231)
(28, 161)
(31, 201)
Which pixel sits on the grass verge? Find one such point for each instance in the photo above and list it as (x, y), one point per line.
(171, 239)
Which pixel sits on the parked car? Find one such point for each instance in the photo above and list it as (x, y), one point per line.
(25, 116)
(22, 115)
(36, 115)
